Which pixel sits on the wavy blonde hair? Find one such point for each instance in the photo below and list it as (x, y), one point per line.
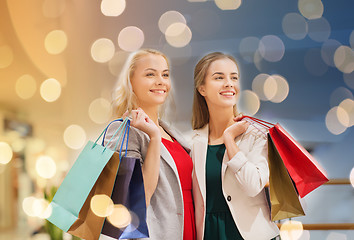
(200, 115)
(123, 96)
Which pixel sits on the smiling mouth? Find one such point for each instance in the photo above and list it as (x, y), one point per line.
(228, 94)
(158, 91)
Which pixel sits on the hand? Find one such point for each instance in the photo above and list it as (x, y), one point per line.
(238, 117)
(141, 121)
(235, 129)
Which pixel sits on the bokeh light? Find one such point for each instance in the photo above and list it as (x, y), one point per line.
(25, 86)
(271, 48)
(102, 50)
(100, 110)
(228, 4)
(53, 8)
(131, 38)
(348, 106)
(5, 153)
(74, 136)
(282, 89)
(311, 9)
(349, 79)
(270, 87)
(101, 205)
(336, 236)
(344, 59)
(41, 208)
(249, 102)
(55, 42)
(332, 122)
(258, 85)
(305, 235)
(351, 177)
(168, 18)
(112, 8)
(294, 26)
(291, 230)
(178, 35)
(120, 216)
(27, 206)
(248, 47)
(328, 49)
(46, 167)
(50, 90)
(314, 63)
(6, 56)
(338, 95)
(319, 29)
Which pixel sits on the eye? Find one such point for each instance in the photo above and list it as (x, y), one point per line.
(219, 78)
(166, 75)
(150, 74)
(234, 78)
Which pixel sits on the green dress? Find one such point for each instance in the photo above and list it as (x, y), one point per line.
(219, 223)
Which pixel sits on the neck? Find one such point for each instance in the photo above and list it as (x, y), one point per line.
(219, 120)
(152, 112)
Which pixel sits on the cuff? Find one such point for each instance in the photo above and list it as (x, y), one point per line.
(237, 161)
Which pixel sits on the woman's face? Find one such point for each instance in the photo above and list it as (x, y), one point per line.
(151, 80)
(221, 84)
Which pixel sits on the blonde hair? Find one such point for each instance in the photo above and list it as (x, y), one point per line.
(123, 96)
(200, 115)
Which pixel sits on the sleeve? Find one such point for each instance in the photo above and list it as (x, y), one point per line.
(251, 168)
(135, 142)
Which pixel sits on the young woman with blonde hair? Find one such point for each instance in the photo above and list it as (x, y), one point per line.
(142, 89)
(230, 158)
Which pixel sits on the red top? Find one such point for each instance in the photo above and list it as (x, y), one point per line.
(184, 166)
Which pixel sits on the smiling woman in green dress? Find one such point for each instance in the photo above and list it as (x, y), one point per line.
(230, 158)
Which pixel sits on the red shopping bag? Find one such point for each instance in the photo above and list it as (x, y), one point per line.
(304, 170)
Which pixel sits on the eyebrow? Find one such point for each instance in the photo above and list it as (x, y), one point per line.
(151, 69)
(220, 73)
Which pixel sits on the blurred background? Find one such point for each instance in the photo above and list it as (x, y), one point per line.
(59, 60)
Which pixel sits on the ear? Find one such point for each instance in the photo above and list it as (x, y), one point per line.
(201, 90)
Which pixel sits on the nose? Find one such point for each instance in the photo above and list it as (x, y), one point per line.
(228, 82)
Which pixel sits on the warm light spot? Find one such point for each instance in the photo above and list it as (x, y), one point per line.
(55, 42)
(102, 205)
(342, 116)
(270, 87)
(290, 230)
(248, 47)
(228, 4)
(46, 167)
(305, 235)
(18, 145)
(332, 122)
(319, 29)
(351, 177)
(53, 8)
(74, 136)
(178, 35)
(112, 8)
(50, 90)
(328, 49)
(258, 85)
(102, 50)
(249, 102)
(336, 236)
(271, 48)
(6, 56)
(349, 79)
(348, 106)
(168, 18)
(27, 206)
(120, 217)
(100, 110)
(41, 208)
(282, 89)
(116, 63)
(294, 26)
(5, 153)
(314, 63)
(25, 86)
(344, 59)
(258, 61)
(340, 94)
(311, 9)
(131, 38)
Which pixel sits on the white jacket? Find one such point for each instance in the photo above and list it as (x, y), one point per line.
(243, 181)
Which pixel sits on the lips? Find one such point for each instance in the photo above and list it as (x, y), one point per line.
(227, 93)
(158, 91)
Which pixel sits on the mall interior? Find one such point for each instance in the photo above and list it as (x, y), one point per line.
(59, 63)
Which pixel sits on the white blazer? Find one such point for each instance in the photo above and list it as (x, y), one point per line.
(243, 181)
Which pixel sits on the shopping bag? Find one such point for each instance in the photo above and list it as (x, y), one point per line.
(94, 172)
(129, 216)
(284, 200)
(306, 173)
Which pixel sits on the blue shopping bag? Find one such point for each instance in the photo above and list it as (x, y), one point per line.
(94, 172)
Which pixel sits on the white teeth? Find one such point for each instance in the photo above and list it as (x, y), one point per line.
(158, 91)
(227, 94)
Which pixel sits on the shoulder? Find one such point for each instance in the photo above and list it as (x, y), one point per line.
(134, 133)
